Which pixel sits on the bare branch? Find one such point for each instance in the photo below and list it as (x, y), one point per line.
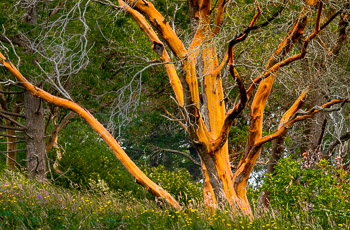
(54, 134)
(10, 119)
(300, 116)
(177, 152)
(334, 144)
(11, 136)
(14, 160)
(12, 114)
(98, 127)
(10, 127)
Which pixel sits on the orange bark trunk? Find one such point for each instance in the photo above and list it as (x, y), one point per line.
(209, 130)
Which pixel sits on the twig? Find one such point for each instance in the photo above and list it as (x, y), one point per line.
(12, 114)
(13, 151)
(6, 135)
(12, 128)
(12, 120)
(177, 152)
(334, 144)
(11, 92)
(22, 167)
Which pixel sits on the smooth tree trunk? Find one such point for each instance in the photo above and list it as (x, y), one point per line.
(35, 136)
(139, 176)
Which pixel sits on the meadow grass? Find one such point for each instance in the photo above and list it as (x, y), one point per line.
(27, 204)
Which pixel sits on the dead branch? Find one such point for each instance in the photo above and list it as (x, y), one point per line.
(55, 10)
(13, 142)
(177, 152)
(12, 128)
(10, 158)
(11, 92)
(54, 134)
(334, 144)
(13, 151)
(12, 120)
(12, 136)
(12, 114)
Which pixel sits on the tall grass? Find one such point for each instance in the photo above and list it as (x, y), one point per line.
(27, 204)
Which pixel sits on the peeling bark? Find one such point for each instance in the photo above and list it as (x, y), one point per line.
(140, 177)
(209, 130)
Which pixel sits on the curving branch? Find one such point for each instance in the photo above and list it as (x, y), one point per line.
(300, 116)
(242, 36)
(57, 128)
(188, 156)
(276, 66)
(140, 177)
(159, 22)
(157, 46)
(219, 16)
(334, 144)
(186, 88)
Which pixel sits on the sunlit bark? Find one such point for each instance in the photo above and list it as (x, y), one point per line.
(199, 93)
(140, 177)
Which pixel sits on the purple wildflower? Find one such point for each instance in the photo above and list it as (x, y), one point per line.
(40, 197)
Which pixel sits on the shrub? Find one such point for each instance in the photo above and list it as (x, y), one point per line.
(178, 183)
(89, 163)
(323, 190)
(87, 159)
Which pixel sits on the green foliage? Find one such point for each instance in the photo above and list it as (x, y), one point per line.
(323, 191)
(239, 135)
(87, 158)
(27, 204)
(178, 183)
(87, 162)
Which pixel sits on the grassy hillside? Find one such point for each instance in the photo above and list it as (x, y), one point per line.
(27, 204)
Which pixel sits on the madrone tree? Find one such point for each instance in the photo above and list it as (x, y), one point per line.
(199, 88)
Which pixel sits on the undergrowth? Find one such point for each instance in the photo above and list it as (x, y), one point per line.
(27, 204)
